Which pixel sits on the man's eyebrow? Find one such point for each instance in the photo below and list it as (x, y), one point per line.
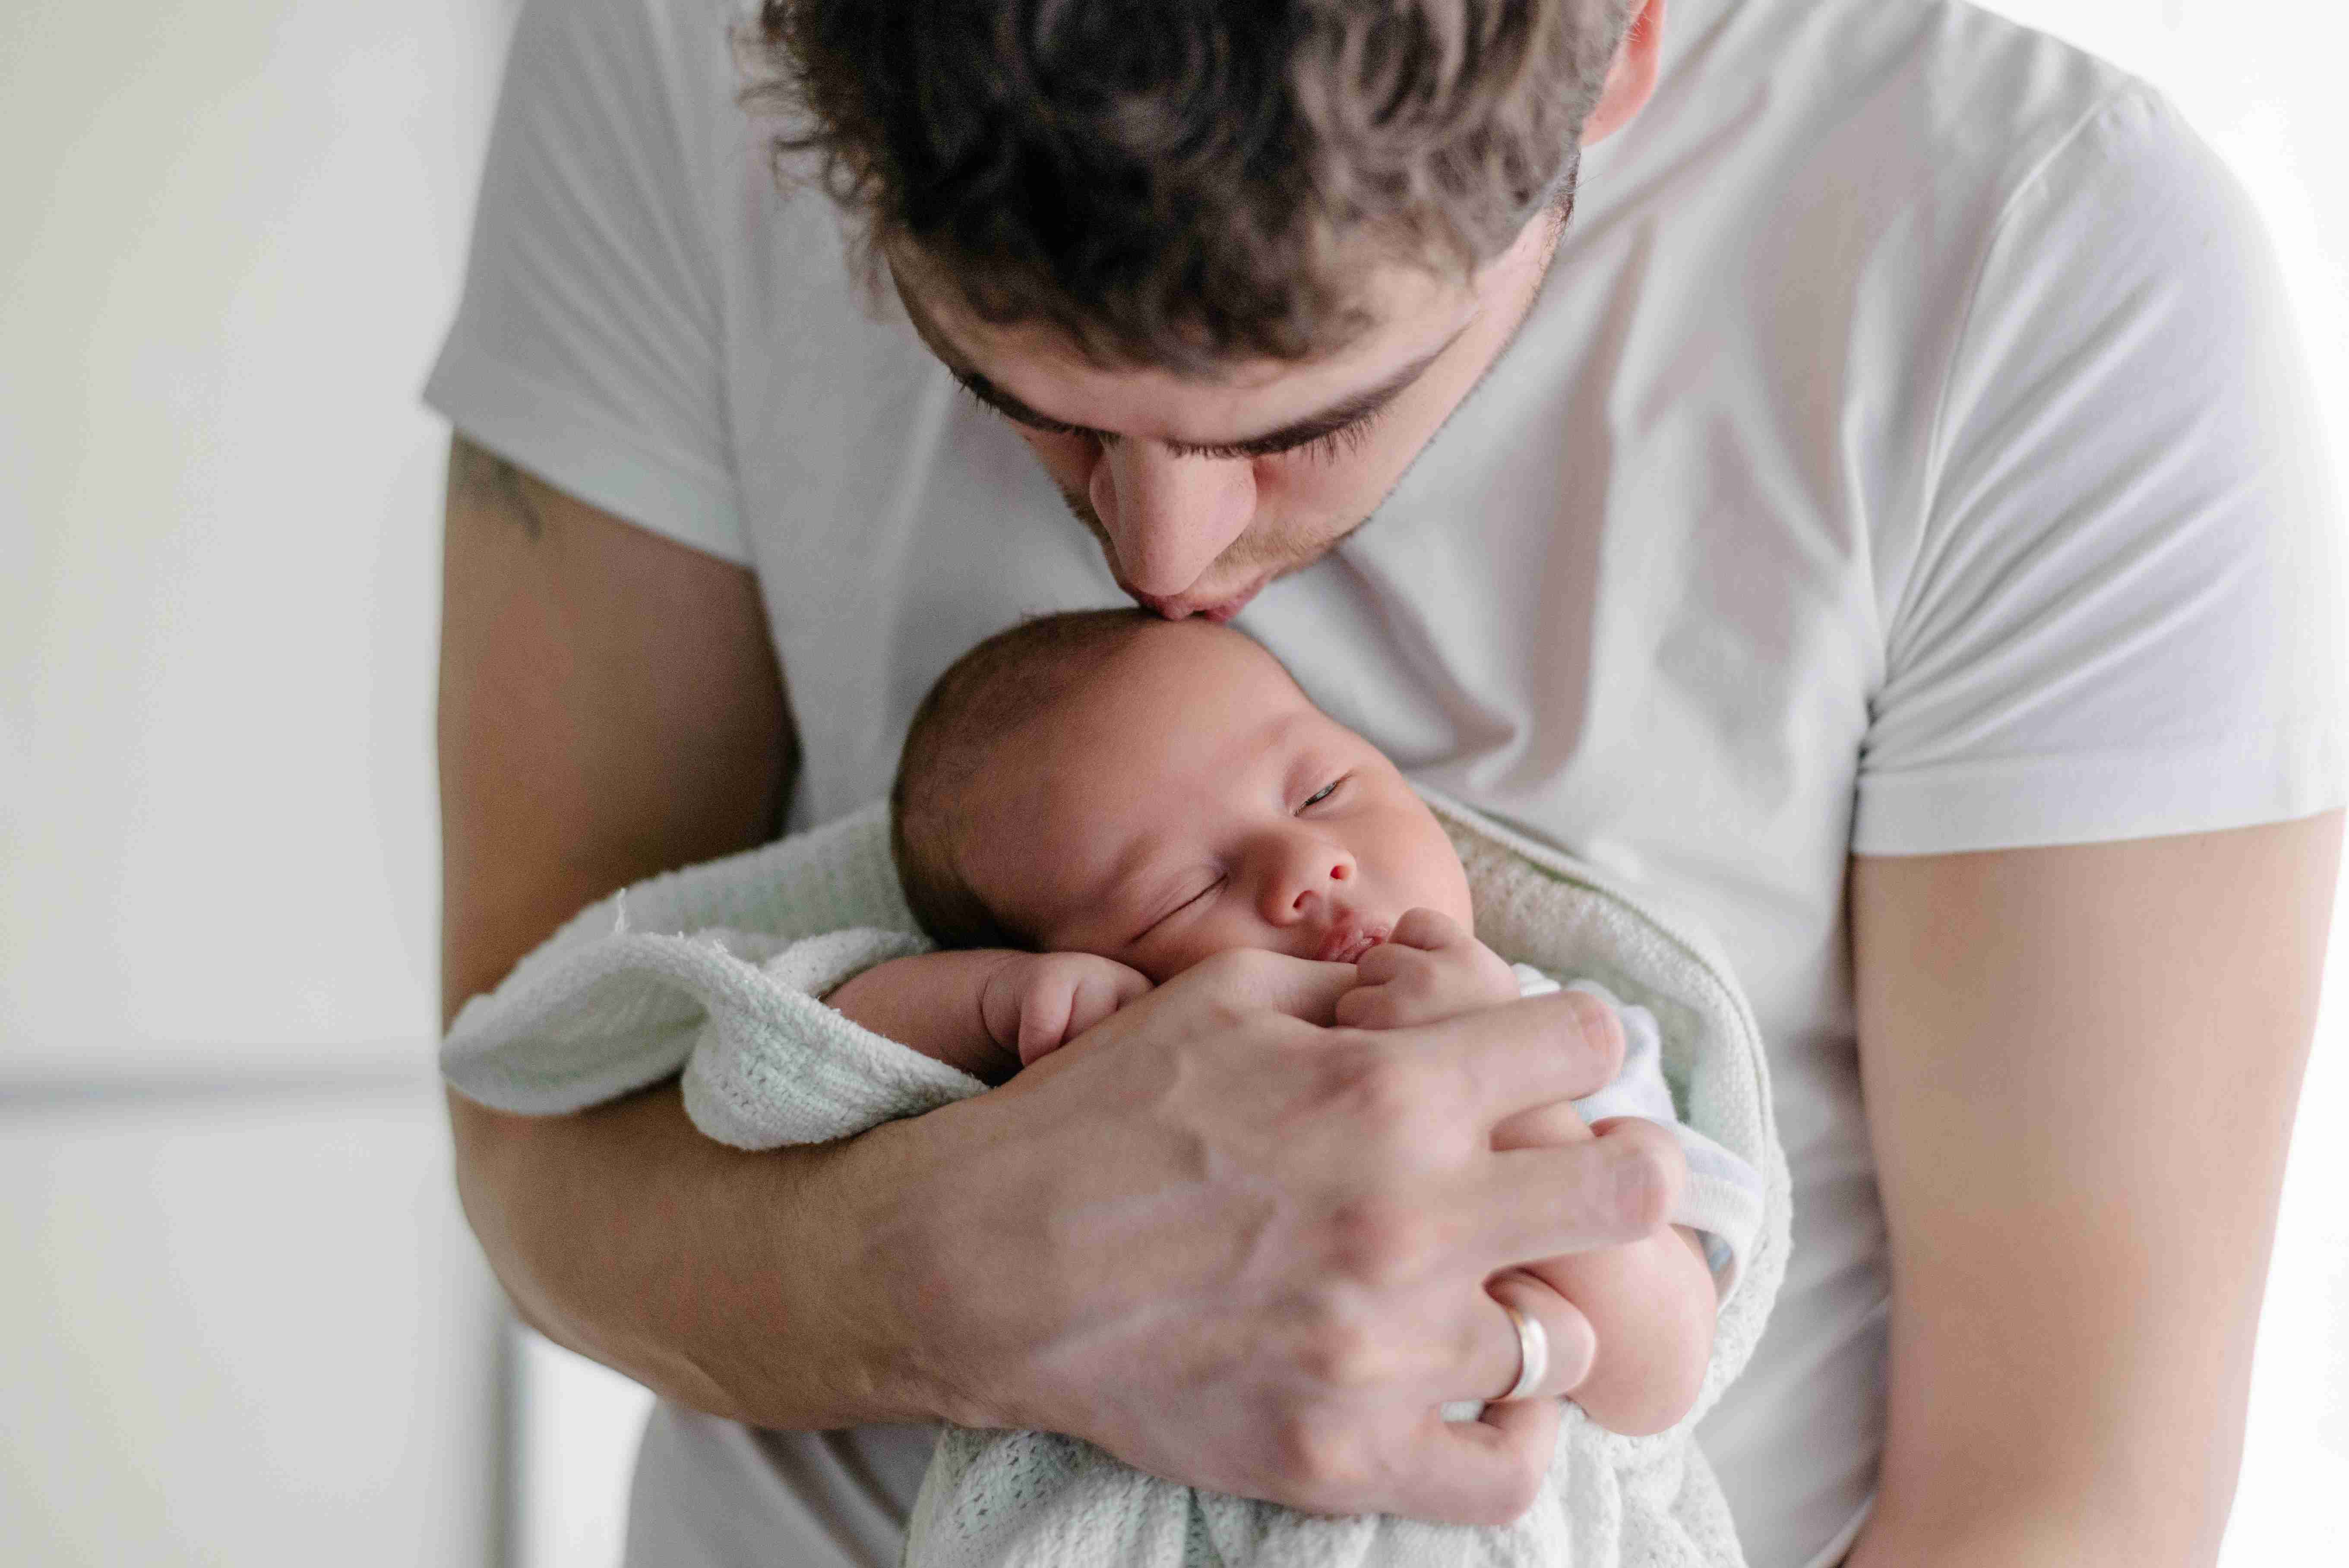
(1303, 432)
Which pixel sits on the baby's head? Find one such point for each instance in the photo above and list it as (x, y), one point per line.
(1154, 792)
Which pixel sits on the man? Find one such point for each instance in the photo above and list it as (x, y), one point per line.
(1870, 502)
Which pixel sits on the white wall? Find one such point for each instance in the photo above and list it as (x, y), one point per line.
(241, 1329)
(242, 1321)
(220, 502)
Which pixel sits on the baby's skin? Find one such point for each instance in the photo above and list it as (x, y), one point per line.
(1187, 799)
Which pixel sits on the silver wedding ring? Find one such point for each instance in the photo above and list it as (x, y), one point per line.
(1533, 1354)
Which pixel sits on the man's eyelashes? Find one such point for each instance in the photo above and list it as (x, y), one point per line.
(1324, 447)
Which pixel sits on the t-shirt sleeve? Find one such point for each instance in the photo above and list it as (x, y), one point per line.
(2118, 617)
(586, 347)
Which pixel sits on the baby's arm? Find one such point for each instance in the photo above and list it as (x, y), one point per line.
(1650, 1303)
(988, 1010)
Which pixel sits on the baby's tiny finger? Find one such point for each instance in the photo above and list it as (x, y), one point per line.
(1100, 995)
(1047, 1021)
(1427, 930)
(1366, 1008)
(1092, 1005)
(1384, 962)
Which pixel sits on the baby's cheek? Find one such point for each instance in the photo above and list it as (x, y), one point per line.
(1544, 1127)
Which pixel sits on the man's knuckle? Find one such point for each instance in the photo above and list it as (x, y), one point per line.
(1379, 1087)
(1647, 1181)
(1379, 1240)
(1340, 1352)
(1322, 1461)
(1249, 964)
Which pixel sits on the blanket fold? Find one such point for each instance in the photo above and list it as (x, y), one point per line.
(715, 972)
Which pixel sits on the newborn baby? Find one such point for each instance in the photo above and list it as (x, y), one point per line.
(1089, 804)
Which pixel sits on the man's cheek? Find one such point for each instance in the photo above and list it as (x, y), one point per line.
(1069, 459)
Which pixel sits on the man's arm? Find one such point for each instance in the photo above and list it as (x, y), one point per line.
(1225, 1245)
(2080, 1067)
(610, 706)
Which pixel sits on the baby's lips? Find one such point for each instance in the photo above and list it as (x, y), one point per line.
(1349, 940)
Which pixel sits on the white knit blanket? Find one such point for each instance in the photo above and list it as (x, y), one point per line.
(714, 970)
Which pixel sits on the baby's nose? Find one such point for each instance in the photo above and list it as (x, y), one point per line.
(1311, 875)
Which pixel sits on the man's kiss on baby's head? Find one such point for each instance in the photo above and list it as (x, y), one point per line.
(1154, 792)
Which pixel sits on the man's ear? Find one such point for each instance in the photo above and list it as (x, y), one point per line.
(1631, 78)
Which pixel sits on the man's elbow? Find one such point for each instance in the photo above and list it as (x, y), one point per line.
(489, 1152)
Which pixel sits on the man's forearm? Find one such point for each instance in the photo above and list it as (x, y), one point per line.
(743, 1284)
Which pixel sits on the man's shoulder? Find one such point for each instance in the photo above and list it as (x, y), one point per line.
(1819, 187)
(1887, 95)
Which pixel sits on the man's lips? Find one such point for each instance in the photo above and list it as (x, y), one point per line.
(1347, 942)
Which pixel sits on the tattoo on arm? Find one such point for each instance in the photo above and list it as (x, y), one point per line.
(488, 480)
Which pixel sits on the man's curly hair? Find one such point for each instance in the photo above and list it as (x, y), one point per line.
(1180, 182)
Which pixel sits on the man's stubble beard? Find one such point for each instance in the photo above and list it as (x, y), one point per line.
(1250, 555)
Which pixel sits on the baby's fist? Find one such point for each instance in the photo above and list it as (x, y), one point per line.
(1428, 970)
(1035, 1003)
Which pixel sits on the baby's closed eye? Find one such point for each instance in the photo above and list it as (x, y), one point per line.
(1182, 902)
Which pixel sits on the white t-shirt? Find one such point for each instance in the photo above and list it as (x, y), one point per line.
(1908, 452)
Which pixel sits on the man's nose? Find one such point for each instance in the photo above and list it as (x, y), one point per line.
(1169, 517)
(1302, 870)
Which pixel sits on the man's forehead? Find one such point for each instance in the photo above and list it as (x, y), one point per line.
(1036, 374)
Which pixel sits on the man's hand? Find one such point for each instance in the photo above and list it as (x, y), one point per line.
(1428, 970)
(1034, 1003)
(1251, 1254)
(1641, 1371)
